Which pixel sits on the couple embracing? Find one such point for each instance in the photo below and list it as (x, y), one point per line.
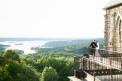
(94, 46)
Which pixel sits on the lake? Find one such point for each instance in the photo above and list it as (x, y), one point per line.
(24, 45)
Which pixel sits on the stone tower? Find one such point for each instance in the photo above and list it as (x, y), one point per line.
(113, 26)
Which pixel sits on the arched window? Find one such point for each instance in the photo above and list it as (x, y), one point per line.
(120, 34)
(120, 26)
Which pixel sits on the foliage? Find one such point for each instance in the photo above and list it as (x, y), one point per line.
(11, 55)
(49, 74)
(17, 72)
(55, 67)
(13, 70)
(62, 63)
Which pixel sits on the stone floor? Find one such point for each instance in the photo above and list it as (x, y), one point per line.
(108, 78)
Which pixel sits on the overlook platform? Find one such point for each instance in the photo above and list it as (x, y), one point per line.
(103, 66)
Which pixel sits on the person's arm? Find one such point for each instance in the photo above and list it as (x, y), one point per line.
(96, 44)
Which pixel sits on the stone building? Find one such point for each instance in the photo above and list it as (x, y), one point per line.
(113, 26)
(108, 65)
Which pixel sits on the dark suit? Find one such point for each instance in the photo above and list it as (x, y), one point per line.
(93, 46)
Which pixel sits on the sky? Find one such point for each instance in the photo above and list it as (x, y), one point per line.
(52, 18)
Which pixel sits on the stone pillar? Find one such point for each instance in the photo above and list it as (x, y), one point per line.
(109, 31)
(116, 37)
(106, 33)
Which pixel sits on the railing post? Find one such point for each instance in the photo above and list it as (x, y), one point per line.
(80, 63)
(83, 64)
(94, 76)
(121, 63)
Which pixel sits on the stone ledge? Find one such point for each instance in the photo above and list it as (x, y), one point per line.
(73, 78)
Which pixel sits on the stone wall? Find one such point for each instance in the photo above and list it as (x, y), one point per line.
(113, 38)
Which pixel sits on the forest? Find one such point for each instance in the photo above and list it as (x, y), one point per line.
(37, 67)
(48, 64)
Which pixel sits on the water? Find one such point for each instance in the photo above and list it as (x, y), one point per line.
(24, 45)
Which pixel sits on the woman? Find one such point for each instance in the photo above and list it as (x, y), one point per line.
(97, 49)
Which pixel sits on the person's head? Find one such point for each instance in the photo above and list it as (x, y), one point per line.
(94, 41)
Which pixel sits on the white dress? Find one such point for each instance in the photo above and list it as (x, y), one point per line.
(97, 50)
(97, 45)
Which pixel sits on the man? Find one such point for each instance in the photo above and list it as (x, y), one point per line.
(93, 46)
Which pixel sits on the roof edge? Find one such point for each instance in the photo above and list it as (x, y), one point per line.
(111, 6)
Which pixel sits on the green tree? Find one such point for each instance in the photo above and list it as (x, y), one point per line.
(15, 71)
(63, 64)
(11, 55)
(49, 74)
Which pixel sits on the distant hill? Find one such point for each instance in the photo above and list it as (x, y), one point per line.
(3, 47)
(83, 42)
(78, 47)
